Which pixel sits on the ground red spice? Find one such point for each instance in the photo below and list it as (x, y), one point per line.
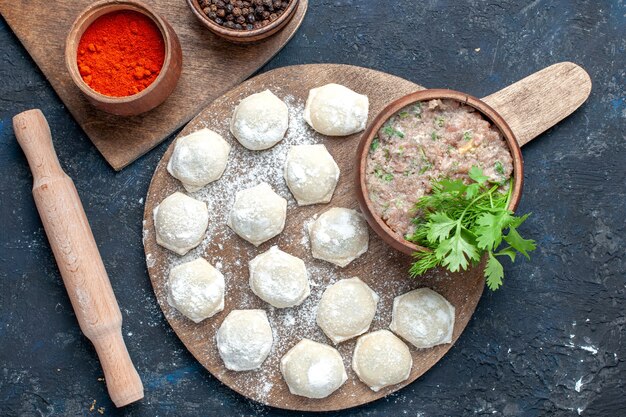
(121, 53)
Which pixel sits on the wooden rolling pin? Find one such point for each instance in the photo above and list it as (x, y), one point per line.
(78, 258)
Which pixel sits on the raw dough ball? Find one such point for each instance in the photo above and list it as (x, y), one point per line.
(311, 174)
(244, 339)
(312, 369)
(180, 222)
(346, 309)
(198, 159)
(381, 359)
(260, 121)
(339, 236)
(258, 214)
(335, 110)
(196, 289)
(423, 317)
(279, 278)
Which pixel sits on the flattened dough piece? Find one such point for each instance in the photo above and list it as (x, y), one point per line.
(196, 289)
(198, 159)
(423, 318)
(335, 110)
(258, 214)
(346, 309)
(180, 222)
(279, 278)
(313, 370)
(260, 121)
(244, 339)
(381, 359)
(339, 235)
(311, 174)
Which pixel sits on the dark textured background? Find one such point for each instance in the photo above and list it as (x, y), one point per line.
(552, 341)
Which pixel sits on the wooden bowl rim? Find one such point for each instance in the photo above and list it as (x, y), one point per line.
(77, 30)
(242, 35)
(380, 227)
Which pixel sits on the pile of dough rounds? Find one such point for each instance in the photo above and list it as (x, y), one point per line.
(381, 359)
(311, 174)
(339, 236)
(258, 214)
(196, 289)
(312, 369)
(260, 121)
(347, 308)
(279, 279)
(335, 110)
(199, 159)
(423, 318)
(244, 339)
(180, 222)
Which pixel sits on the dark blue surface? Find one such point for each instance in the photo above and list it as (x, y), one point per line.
(552, 341)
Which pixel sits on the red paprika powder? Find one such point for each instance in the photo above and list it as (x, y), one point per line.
(121, 53)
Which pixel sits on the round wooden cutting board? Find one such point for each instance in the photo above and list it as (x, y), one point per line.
(382, 268)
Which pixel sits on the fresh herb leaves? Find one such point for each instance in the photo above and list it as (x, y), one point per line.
(390, 131)
(381, 174)
(375, 144)
(499, 168)
(462, 222)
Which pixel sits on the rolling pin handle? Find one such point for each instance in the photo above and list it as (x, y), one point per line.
(122, 380)
(33, 135)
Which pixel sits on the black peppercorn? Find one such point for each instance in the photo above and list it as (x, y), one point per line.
(243, 14)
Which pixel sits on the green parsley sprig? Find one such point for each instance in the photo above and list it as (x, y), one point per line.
(460, 222)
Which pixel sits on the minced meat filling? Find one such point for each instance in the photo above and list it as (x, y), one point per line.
(426, 141)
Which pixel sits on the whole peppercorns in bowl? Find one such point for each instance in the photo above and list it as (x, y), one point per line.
(244, 21)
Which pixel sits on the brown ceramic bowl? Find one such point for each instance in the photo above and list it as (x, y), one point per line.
(244, 36)
(379, 226)
(151, 96)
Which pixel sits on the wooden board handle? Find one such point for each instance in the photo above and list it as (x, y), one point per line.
(536, 103)
(77, 256)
